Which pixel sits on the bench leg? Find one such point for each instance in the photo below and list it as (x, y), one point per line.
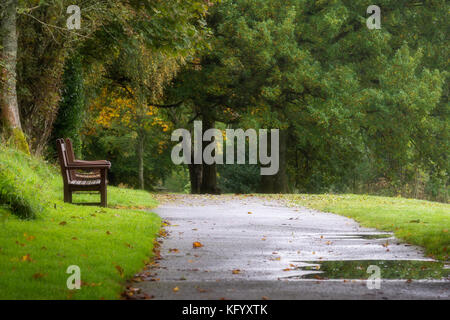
(67, 195)
(104, 197)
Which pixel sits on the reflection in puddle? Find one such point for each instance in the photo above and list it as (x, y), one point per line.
(357, 269)
(349, 236)
(375, 235)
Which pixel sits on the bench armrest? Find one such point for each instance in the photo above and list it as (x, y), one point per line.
(94, 162)
(88, 166)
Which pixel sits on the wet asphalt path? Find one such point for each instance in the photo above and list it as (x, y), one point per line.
(254, 248)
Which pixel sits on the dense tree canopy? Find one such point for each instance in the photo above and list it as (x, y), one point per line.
(359, 109)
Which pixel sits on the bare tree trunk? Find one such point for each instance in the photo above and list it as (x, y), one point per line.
(10, 107)
(140, 153)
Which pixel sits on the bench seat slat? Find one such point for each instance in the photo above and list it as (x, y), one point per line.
(85, 182)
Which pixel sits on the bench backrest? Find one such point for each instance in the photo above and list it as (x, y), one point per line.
(70, 157)
(63, 160)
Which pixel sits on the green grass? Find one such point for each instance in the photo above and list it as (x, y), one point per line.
(418, 222)
(108, 244)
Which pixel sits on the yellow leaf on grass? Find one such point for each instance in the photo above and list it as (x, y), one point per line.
(27, 258)
(120, 270)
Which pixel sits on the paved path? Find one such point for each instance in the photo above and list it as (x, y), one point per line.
(254, 249)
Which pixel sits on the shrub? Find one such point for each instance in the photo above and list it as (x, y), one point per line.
(22, 183)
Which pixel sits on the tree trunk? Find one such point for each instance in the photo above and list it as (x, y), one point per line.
(195, 175)
(140, 152)
(209, 172)
(277, 183)
(10, 108)
(203, 177)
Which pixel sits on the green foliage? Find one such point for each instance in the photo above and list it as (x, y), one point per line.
(178, 181)
(360, 106)
(118, 145)
(239, 178)
(22, 182)
(71, 108)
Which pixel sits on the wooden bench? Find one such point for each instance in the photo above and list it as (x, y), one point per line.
(72, 173)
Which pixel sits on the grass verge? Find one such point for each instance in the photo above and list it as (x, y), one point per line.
(418, 222)
(108, 244)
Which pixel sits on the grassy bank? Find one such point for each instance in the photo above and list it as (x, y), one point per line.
(423, 223)
(41, 236)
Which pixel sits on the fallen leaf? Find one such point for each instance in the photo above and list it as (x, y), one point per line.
(108, 233)
(62, 223)
(176, 289)
(120, 270)
(236, 271)
(30, 238)
(197, 245)
(265, 298)
(39, 275)
(27, 258)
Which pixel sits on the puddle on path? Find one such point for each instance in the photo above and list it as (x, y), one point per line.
(357, 269)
